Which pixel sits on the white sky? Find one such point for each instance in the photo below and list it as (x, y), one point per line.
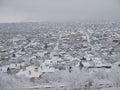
(58, 10)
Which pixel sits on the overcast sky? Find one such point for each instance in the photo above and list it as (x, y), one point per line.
(58, 10)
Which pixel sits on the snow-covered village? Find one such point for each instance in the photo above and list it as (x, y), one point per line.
(60, 56)
(59, 44)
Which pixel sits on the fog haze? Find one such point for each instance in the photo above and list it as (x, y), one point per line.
(58, 10)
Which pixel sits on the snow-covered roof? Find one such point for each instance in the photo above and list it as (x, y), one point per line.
(41, 54)
(69, 57)
(87, 64)
(48, 70)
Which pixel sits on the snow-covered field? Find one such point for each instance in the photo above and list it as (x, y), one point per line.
(60, 56)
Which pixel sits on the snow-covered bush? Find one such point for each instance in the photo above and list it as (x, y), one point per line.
(8, 82)
(50, 77)
(76, 80)
(101, 74)
(114, 76)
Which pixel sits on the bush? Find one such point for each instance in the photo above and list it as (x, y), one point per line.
(114, 76)
(76, 79)
(8, 82)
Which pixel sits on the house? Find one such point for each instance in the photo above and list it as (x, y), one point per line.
(31, 72)
(49, 63)
(35, 72)
(96, 63)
